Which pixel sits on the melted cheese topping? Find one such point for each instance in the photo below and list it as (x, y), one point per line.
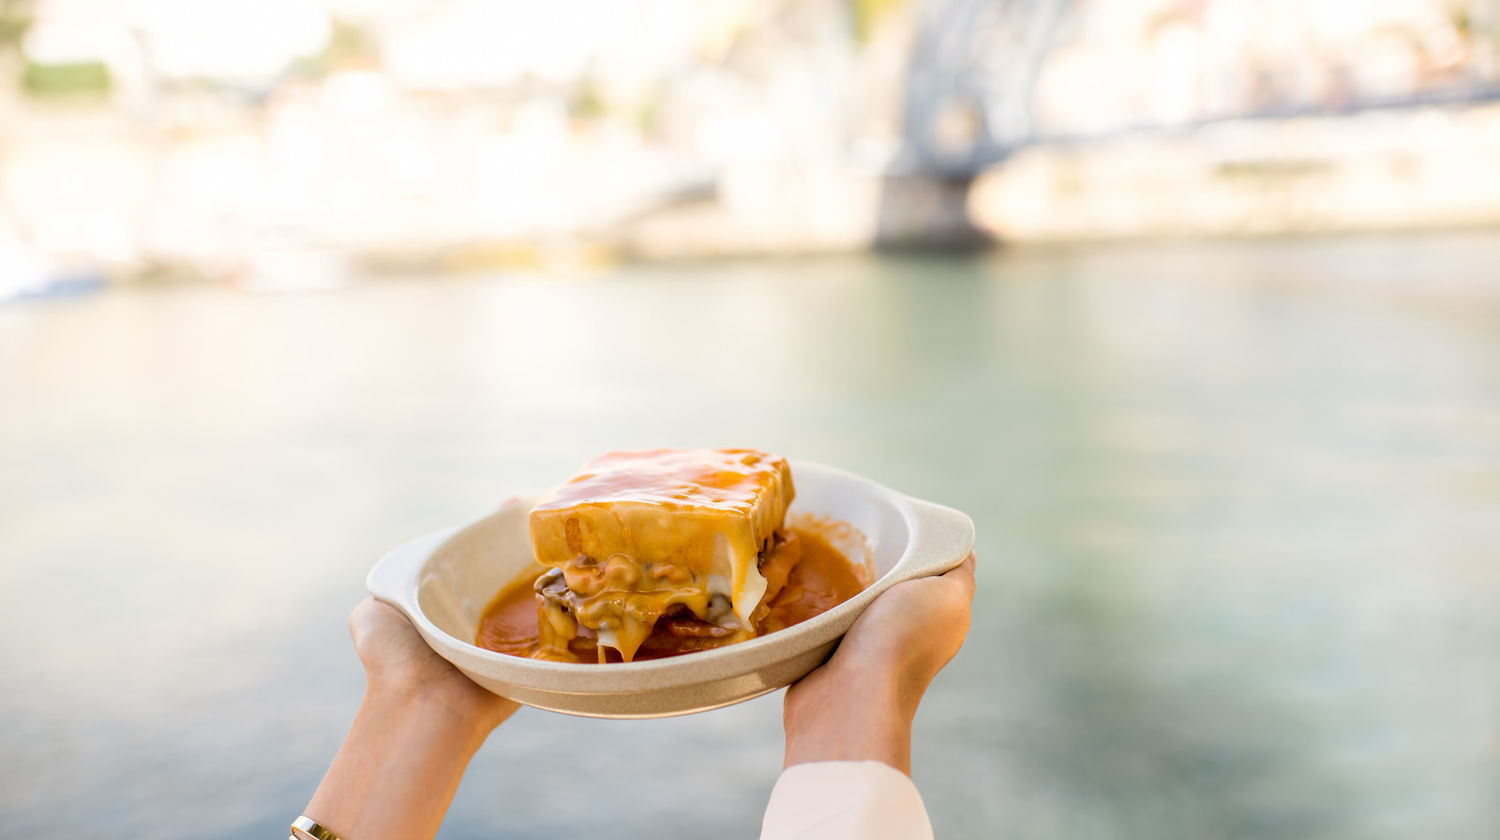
(638, 533)
(806, 575)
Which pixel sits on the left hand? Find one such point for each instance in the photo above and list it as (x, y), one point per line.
(420, 722)
(399, 663)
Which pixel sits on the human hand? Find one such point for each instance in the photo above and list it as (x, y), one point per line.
(907, 635)
(400, 665)
(859, 704)
(419, 724)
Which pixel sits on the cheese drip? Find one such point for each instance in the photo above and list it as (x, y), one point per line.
(637, 534)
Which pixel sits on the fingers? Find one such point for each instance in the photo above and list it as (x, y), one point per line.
(363, 621)
(963, 575)
(369, 614)
(370, 618)
(359, 619)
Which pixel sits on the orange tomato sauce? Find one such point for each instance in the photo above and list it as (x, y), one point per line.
(822, 579)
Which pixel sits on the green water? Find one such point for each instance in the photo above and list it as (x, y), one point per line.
(1238, 510)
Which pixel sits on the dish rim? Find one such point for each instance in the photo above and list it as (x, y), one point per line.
(938, 539)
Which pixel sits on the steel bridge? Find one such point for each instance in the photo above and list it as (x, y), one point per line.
(975, 66)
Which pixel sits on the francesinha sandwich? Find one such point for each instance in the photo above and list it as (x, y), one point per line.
(661, 552)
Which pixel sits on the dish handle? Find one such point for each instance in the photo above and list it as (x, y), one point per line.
(393, 580)
(941, 538)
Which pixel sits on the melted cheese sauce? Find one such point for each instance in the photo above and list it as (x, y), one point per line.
(820, 580)
(640, 535)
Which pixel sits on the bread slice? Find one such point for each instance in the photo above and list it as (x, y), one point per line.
(636, 535)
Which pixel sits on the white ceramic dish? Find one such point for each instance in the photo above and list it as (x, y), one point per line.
(443, 582)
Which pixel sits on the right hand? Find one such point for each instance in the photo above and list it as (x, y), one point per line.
(859, 705)
(908, 634)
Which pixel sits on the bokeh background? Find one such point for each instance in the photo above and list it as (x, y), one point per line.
(1193, 305)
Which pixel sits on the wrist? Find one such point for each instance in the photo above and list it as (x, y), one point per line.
(447, 710)
(856, 716)
(833, 691)
(399, 765)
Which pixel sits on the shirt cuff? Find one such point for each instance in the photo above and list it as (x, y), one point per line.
(834, 800)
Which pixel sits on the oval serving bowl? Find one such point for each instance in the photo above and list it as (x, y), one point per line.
(443, 582)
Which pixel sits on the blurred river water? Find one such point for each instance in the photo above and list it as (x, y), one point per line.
(1238, 508)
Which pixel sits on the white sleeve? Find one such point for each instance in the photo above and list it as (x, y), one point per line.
(835, 800)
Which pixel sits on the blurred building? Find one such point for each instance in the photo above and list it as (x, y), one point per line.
(269, 141)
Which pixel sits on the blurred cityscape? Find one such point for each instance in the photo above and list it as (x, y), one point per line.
(293, 143)
(1234, 489)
